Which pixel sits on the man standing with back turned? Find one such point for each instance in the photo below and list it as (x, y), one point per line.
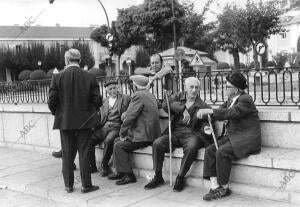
(74, 99)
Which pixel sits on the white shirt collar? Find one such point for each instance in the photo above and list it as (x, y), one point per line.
(112, 101)
(70, 65)
(234, 100)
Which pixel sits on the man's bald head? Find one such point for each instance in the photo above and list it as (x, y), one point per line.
(192, 80)
(192, 87)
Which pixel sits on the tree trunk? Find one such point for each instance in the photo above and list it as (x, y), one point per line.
(118, 65)
(255, 57)
(236, 58)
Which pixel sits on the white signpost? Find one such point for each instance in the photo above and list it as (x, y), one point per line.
(179, 55)
(260, 49)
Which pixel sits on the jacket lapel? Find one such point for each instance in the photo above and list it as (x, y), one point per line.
(119, 103)
(105, 108)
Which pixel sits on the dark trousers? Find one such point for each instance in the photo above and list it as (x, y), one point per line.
(181, 137)
(122, 154)
(107, 136)
(217, 163)
(71, 142)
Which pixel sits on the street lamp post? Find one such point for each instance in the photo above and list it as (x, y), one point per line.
(39, 64)
(174, 36)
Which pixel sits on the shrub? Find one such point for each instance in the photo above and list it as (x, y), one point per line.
(251, 65)
(123, 73)
(38, 75)
(97, 72)
(49, 74)
(24, 75)
(271, 64)
(281, 59)
(242, 66)
(222, 66)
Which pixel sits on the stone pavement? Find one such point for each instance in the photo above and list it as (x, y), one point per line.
(30, 178)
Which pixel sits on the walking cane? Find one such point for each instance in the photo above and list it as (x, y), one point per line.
(212, 130)
(170, 137)
(86, 121)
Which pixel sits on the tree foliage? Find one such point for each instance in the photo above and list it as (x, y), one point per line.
(228, 35)
(195, 33)
(241, 28)
(27, 55)
(151, 25)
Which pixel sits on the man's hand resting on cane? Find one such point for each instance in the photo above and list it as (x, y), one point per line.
(202, 112)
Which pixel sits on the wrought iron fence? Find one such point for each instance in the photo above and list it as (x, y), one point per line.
(268, 87)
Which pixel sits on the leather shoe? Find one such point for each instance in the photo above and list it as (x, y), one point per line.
(57, 154)
(179, 184)
(155, 182)
(216, 193)
(89, 189)
(105, 171)
(128, 178)
(116, 176)
(93, 169)
(69, 189)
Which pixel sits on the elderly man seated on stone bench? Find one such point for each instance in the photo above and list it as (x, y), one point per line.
(138, 130)
(241, 136)
(187, 132)
(112, 113)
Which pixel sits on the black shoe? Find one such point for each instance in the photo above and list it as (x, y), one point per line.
(116, 176)
(93, 169)
(74, 166)
(105, 171)
(128, 178)
(179, 184)
(89, 189)
(216, 194)
(155, 182)
(57, 154)
(69, 189)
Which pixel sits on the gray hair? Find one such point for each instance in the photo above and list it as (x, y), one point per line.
(192, 79)
(73, 55)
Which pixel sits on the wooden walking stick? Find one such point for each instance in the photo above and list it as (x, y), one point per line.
(212, 130)
(170, 137)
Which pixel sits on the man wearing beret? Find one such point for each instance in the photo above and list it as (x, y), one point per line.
(187, 132)
(74, 99)
(138, 130)
(240, 138)
(112, 114)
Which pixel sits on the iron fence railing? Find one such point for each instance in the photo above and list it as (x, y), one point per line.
(268, 87)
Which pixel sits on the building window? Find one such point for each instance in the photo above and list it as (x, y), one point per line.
(283, 35)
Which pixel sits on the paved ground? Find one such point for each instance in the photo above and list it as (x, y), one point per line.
(34, 179)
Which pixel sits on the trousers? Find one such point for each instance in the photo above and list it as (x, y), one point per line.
(122, 154)
(181, 137)
(217, 163)
(71, 142)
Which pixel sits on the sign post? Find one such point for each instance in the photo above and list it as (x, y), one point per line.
(179, 55)
(260, 49)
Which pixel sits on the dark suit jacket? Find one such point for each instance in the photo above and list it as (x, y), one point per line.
(177, 107)
(122, 105)
(141, 122)
(74, 97)
(243, 127)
